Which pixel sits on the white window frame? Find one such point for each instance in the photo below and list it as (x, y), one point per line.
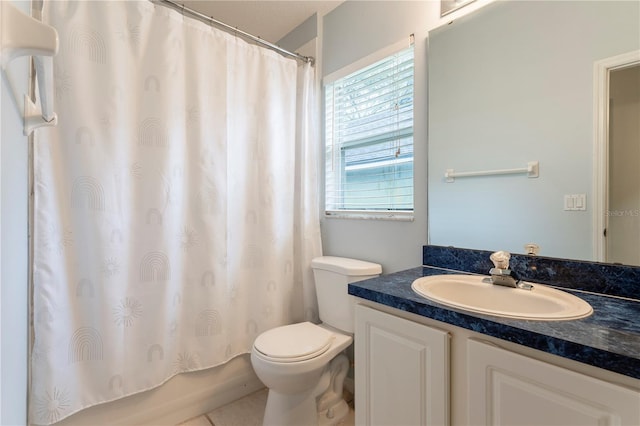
(381, 54)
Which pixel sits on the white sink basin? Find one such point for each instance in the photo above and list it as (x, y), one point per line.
(469, 292)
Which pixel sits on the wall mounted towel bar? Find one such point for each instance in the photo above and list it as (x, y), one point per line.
(531, 171)
(22, 35)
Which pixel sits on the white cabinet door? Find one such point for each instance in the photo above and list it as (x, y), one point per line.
(505, 388)
(401, 371)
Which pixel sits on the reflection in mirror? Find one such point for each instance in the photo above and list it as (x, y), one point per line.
(623, 212)
(509, 84)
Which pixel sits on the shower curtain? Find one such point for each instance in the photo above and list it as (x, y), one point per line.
(175, 204)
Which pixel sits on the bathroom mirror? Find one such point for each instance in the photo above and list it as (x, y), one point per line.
(513, 83)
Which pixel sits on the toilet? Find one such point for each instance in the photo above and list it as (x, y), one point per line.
(303, 364)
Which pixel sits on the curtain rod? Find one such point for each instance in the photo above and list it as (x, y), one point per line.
(210, 20)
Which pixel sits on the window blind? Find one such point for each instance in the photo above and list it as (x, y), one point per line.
(369, 138)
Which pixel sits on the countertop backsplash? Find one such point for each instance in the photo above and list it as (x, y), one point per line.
(596, 277)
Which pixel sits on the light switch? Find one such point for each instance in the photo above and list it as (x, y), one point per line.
(574, 202)
(568, 202)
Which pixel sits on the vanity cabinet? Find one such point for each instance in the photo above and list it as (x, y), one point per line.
(411, 370)
(402, 371)
(505, 388)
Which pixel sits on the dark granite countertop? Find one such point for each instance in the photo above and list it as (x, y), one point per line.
(609, 338)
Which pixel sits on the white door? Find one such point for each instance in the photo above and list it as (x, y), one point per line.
(505, 388)
(401, 371)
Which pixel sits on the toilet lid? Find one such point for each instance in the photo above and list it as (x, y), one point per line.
(295, 342)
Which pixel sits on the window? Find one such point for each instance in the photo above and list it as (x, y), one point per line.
(369, 140)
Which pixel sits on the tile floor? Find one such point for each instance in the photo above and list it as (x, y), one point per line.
(247, 411)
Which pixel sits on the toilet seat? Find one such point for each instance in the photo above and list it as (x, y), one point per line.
(292, 343)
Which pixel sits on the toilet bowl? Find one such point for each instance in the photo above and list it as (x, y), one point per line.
(291, 361)
(302, 364)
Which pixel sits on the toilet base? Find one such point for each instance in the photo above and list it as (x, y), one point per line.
(290, 410)
(332, 408)
(319, 406)
(300, 410)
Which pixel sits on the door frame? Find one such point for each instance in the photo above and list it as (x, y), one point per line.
(601, 73)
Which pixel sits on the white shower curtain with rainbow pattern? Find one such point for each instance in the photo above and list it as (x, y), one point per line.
(175, 203)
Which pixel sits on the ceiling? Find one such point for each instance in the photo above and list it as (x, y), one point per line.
(269, 20)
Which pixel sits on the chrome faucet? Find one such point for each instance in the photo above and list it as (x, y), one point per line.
(503, 277)
(501, 274)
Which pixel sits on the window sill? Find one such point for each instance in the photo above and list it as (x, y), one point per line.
(370, 215)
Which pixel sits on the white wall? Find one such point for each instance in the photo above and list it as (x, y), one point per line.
(14, 243)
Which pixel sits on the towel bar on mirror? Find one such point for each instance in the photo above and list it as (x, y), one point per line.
(532, 171)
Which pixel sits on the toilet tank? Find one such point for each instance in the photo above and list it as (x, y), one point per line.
(336, 306)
